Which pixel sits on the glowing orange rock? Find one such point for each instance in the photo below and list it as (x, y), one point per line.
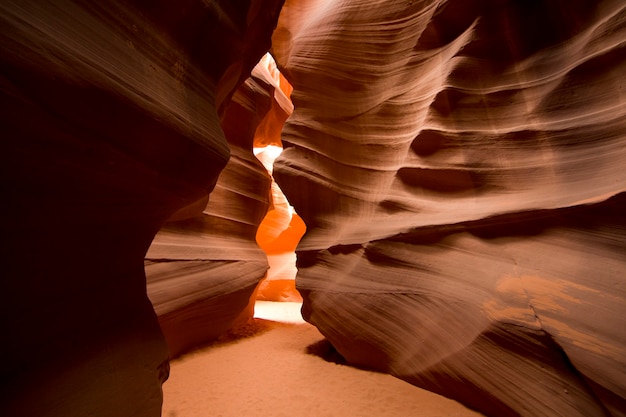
(278, 235)
(281, 229)
(279, 284)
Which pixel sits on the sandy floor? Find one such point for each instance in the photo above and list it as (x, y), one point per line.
(274, 367)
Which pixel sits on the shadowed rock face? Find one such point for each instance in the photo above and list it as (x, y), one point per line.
(460, 169)
(110, 125)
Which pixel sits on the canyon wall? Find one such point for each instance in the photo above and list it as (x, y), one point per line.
(458, 164)
(460, 169)
(204, 266)
(110, 125)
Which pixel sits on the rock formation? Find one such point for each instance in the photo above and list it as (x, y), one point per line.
(460, 169)
(278, 234)
(281, 229)
(458, 164)
(110, 125)
(204, 266)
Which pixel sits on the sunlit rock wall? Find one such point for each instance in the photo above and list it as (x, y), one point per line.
(460, 169)
(204, 266)
(110, 125)
(281, 229)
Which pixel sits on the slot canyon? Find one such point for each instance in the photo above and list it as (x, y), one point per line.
(456, 167)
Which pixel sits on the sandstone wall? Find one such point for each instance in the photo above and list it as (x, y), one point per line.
(459, 167)
(204, 265)
(458, 164)
(110, 125)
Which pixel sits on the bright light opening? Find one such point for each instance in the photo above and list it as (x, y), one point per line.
(281, 229)
(284, 312)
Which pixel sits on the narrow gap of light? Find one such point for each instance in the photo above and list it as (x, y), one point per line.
(281, 310)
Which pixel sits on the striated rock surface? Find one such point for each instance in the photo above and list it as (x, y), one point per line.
(459, 167)
(110, 125)
(203, 267)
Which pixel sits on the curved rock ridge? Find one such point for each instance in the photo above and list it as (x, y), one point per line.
(460, 173)
(202, 271)
(204, 266)
(110, 125)
(428, 107)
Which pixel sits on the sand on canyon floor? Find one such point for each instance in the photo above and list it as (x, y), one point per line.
(277, 365)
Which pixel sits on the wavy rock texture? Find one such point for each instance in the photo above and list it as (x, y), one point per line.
(110, 125)
(459, 167)
(203, 268)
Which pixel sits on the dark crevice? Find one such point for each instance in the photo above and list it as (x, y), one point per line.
(552, 344)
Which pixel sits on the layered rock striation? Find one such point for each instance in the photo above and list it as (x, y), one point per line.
(459, 167)
(204, 265)
(110, 125)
